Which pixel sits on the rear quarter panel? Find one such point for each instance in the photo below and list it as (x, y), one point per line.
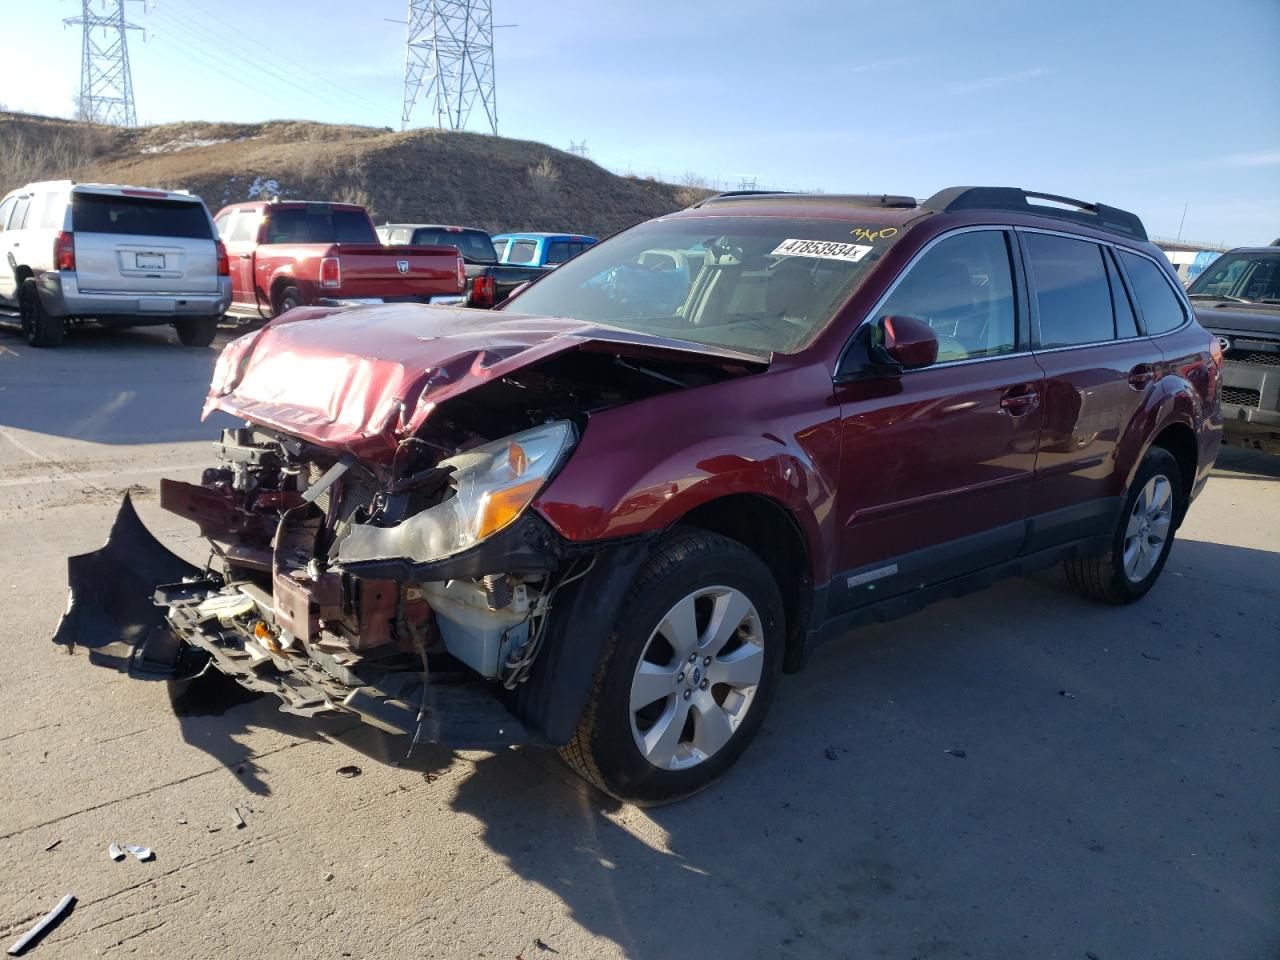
(1190, 391)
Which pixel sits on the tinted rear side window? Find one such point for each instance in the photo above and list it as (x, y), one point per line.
(1160, 306)
(139, 216)
(319, 224)
(19, 218)
(1126, 322)
(1072, 293)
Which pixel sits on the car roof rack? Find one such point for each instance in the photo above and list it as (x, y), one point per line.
(1096, 215)
(857, 199)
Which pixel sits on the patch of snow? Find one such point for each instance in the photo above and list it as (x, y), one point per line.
(264, 188)
(176, 146)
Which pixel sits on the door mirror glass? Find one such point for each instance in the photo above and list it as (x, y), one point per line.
(909, 341)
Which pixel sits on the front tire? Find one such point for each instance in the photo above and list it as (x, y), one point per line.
(687, 676)
(196, 331)
(1142, 538)
(39, 328)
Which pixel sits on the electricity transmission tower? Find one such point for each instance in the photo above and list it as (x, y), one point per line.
(449, 61)
(106, 84)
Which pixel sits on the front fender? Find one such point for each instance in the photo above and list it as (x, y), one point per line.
(640, 468)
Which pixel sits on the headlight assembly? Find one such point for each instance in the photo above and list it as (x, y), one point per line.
(493, 484)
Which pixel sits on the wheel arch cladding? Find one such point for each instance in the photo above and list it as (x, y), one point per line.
(1180, 440)
(552, 699)
(770, 531)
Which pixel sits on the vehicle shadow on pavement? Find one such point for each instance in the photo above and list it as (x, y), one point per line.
(1241, 463)
(1017, 773)
(130, 386)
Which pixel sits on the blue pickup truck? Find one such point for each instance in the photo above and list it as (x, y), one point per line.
(540, 249)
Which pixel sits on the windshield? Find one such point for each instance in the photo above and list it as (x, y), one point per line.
(762, 284)
(474, 245)
(1254, 277)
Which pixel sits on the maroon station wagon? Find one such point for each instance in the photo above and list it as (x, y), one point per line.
(609, 515)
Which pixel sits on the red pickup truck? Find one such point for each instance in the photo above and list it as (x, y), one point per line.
(286, 254)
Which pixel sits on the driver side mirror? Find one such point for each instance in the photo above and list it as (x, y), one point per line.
(908, 341)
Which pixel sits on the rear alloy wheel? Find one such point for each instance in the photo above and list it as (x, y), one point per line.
(692, 664)
(39, 328)
(289, 298)
(196, 331)
(1140, 543)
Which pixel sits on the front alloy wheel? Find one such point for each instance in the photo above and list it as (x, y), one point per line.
(687, 674)
(697, 677)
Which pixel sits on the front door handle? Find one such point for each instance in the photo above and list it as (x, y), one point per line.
(1020, 400)
(1141, 376)
(245, 256)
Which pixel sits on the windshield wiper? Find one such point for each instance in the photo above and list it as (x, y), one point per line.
(1217, 296)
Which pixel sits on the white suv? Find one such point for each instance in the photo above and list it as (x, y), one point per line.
(123, 256)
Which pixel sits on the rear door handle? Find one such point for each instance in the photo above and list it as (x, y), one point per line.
(1020, 400)
(1141, 376)
(245, 256)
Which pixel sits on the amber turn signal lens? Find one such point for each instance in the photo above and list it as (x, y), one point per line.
(500, 507)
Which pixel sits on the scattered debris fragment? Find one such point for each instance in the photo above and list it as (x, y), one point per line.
(349, 771)
(44, 923)
(1066, 693)
(537, 942)
(831, 754)
(213, 828)
(328, 877)
(52, 845)
(958, 754)
(1147, 656)
(114, 852)
(236, 819)
(142, 853)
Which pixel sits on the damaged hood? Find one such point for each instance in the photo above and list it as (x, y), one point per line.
(365, 378)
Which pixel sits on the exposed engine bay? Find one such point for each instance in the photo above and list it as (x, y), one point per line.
(414, 593)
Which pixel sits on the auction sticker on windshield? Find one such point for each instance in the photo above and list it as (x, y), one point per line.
(823, 249)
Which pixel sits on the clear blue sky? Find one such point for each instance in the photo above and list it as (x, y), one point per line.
(1144, 104)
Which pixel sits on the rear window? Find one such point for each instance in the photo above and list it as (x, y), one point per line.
(1073, 295)
(139, 216)
(319, 223)
(472, 244)
(1160, 306)
(523, 252)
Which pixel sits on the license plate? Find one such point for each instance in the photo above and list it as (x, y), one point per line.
(149, 261)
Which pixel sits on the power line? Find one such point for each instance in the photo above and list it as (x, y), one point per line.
(106, 83)
(449, 52)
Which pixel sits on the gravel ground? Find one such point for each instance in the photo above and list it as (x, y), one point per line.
(1021, 773)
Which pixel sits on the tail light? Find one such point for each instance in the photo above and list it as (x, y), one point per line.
(462, 274)
(64, 251)
(484, 291)
(224, 265)
(1215, 349)
(330, 272)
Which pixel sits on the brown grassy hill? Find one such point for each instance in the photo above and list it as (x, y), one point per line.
(430, 176)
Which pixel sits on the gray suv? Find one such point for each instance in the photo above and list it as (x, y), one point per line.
(1238, 299)
(121, 256)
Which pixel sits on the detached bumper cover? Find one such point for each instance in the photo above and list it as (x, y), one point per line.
(135, 607)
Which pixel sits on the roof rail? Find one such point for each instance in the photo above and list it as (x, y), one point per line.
(859, 199)
(1096, 215)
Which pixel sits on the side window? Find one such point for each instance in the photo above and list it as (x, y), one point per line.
(558, 252)
(245, 227)
(19, 218)
(1160, 306)
(221, 224)
(963, 288)
(1073, 296)
(523, 251)
(1126, 323)
(399, 236)
(53, 211)
(6, 208)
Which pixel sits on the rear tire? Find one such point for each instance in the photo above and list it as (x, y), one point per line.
(288, 298)
(706, 703)
(39, 328)
(196, 331)
(1142, 538)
